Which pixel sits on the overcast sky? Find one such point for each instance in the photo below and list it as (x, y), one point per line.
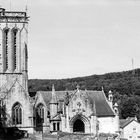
(70, 38)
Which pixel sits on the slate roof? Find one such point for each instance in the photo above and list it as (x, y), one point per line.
(125, 122)
(102, 107)
(98, 97)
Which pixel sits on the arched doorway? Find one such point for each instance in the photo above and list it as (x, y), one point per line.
(78, 126)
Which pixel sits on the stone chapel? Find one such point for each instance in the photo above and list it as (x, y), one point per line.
(77, 111)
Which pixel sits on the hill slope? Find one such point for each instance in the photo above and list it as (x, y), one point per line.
(122, 82)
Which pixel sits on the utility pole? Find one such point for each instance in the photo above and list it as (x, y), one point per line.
(133, 77)
(133, 70)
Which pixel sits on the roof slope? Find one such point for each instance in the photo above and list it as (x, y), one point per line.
(125, 122)
(98, 97)
(102, 107)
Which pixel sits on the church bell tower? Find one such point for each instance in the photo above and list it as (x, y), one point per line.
(13, 68)
(13, 47)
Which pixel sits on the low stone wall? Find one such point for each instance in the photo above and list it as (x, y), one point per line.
(69, 136)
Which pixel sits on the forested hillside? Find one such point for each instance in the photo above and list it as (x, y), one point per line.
(125, 86)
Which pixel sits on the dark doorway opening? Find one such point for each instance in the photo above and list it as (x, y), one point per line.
(78, 126)
(39, 118)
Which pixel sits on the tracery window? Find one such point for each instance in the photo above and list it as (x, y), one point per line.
(14, 48)
(6, 49)
(40, 114)
(17, 114)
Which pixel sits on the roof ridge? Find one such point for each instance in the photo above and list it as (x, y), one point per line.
(68, 90)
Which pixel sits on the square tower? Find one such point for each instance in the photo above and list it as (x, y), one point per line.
(13, 47)
(13, 67)
(13, 41)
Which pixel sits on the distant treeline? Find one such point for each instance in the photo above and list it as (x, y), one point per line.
(125, 86)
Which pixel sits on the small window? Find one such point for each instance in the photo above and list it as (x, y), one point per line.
(58, 126)
(116, 111)
(48, 116)
(134, 130)
(54, 126)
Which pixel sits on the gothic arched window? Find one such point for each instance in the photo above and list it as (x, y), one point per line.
(40, 114)
(14, 52)
(17, 114)
(6, 49)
